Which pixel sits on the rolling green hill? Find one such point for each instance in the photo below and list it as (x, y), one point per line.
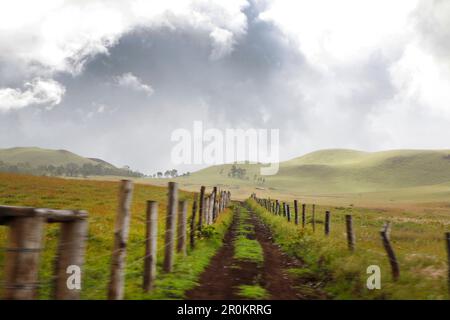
(36, 157)
(37, 161)
(340, 171)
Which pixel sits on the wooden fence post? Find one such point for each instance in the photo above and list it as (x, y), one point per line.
(288, 213)
(350, 233)
(303, 215)
(327, 223)
(192, 233)
(207, 209)
(214, 205)
(296, 211)
(385, 236)
(447, 240)
(201, 212)
(116, 284)
(182, 226)
(313, 217)
(171, 218)
(151, 245)
(71, 248)
(284, 209)
(215, 210)
(22, 257)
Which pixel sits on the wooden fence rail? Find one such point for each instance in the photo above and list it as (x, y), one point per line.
(25, 242)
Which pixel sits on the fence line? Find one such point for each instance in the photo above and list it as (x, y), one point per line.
(26, 240)
(350, 235)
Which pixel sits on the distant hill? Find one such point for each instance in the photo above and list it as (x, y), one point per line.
(339, 171)
(40, 161)
(38, 156)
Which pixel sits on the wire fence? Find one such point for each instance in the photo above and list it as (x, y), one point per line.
(96, 274)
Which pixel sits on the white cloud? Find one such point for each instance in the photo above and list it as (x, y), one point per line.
(59, 35)
(130, 81)
(331, 31)
(41, 38)
(37, 92)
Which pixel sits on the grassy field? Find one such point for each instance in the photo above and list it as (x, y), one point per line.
(343, 177)
(418, 240)
(99, 198)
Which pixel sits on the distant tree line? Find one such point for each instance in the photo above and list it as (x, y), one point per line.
(69, 170)
(170, 174)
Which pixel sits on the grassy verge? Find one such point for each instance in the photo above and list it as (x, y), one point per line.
(329, 266)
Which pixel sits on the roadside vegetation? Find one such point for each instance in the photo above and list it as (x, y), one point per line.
(328, 265)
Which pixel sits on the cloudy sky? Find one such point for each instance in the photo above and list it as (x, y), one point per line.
(113, 79)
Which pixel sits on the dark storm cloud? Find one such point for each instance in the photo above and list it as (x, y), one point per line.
(124, 104)
(99, 118)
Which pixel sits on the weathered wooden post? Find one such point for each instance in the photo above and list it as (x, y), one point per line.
(22, 257)
(151, 245)
(121, 229)
(447, 240)
(214, 205)
(207, 209)
(296, 211)
(288, 213)
(350, 233)
(284, 209)
(70, 256)
(222, 201)
(192, 233)
(201, 206)
(182, 227)
(303, 215)
(216, 210)
(385, 237)
(327, 223)
(171, 218)
(313, 217)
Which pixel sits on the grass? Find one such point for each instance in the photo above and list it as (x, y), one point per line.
(252, 292)
(245, 248)
(38, 156)
(327, 263)
(99, 198)
(331, 177)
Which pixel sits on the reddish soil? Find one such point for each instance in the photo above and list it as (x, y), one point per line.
(224, 274)
(275, 278)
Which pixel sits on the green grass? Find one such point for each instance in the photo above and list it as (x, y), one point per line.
(417, 240)
(38, 156)
(342, 176)
(252, 292)
(246, 249)
(99, 198)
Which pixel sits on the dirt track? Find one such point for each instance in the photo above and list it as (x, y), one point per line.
(225, 274)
